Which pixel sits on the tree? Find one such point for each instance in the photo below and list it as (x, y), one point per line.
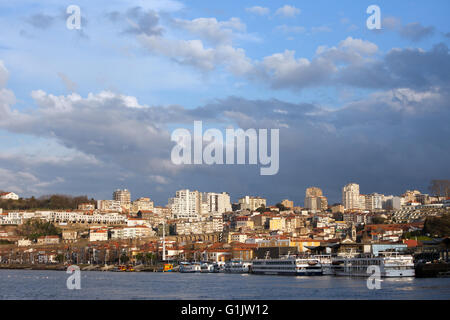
(440, 188)
(34, 228)
(262, 209)
(60, 258)
(139, 257)
(378, 220)
(437, 227)
(281, 207)
(124, 258)
(150, 257)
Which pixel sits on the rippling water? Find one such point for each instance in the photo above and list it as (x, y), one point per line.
(30, 284)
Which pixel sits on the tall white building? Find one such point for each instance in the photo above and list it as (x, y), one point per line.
(216, 202)
(186, 204)
(374, 201)
(350, 196)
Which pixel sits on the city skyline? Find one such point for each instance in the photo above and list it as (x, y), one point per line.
(84, 111)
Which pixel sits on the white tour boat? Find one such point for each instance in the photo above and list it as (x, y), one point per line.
(290, 265)
(238, 266)
(391, 264)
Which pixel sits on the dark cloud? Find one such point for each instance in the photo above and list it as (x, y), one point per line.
(41, 20)
(388, 142)
(401, 68)
(416, 32)
(138, 21)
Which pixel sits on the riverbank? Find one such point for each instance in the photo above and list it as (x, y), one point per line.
(83, 267)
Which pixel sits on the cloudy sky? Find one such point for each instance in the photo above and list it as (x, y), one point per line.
(91, 110)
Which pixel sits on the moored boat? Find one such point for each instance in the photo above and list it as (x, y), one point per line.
(238, 266)
(188, 267)
(290, 265)
(391, 264)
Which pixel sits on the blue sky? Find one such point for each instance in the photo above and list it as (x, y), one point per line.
(196, 58)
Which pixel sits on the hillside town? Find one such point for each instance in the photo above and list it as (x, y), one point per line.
(207, 226)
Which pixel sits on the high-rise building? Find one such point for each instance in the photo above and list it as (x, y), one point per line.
(315, 200)
(216, 202)
(186, 204)
(350, 196)
(373, 201)
(123, 196)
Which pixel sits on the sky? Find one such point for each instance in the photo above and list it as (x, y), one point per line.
(86, 111)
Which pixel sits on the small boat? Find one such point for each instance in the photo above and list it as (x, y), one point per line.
(188, 267)
(207, 267)
(168, 267)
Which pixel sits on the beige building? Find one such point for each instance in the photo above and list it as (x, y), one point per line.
(69, 236)
(315, 200)
(251, 203)
(288, 203)
(86, 206)
(142, 204)
(109, 205)
(98, 234)
(124, 197)
(48, 240)
(277, 223)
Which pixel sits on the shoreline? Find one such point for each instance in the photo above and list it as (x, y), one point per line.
(62, 267)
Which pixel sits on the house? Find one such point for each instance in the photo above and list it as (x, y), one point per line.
(48, 240)
(69, 236)
(98, 234)
(9, 196)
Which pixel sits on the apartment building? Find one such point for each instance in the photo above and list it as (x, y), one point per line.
(186, 204)
(251, 203)
(351, 197)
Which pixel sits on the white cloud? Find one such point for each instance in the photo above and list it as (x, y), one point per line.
(216, 32)
(288, 11)
(258, 10)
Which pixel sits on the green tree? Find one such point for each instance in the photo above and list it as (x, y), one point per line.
(139, 257)
(124, 258)
(437, 227)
